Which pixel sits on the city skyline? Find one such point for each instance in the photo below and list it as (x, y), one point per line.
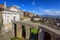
(41, 7)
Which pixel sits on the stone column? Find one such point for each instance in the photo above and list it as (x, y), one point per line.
(13, 30)
(41, 34)
(57, 38)
(19, 30)
(27, 32)
(53, 37)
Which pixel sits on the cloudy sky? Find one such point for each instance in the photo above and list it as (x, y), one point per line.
(41, 7)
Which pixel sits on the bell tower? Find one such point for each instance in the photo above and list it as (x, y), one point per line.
(4, 4)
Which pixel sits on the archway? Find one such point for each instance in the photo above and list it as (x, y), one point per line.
(33, 34)
(15, 28)
(47, 36)
(23, 31)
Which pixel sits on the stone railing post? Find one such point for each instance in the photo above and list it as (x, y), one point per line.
(19, 30)
(41, 34)
(27, 32)
(54, 37)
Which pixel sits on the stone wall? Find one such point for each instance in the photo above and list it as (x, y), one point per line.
(8, 35)
(19, 30)
(1, 21)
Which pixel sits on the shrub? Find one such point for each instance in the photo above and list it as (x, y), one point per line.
(34, 30)
(16, 38)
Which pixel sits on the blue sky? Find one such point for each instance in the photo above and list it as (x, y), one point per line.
(41, 7)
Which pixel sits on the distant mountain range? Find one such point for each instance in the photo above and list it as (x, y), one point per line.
(52, 16)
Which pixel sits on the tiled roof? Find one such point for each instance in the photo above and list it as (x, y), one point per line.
(1, 5)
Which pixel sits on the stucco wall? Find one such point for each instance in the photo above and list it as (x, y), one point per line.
(8, 17)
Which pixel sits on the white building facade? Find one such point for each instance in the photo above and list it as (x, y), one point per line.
(9, 15)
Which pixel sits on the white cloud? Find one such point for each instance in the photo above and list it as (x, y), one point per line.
(22, 5)
(57, 11)
(49, 11)
(24, 10)
(17, 6)
(33, 3)
(29, 11)
(33, 11)
(52, 12)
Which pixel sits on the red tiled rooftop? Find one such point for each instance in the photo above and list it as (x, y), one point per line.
(1, 5)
